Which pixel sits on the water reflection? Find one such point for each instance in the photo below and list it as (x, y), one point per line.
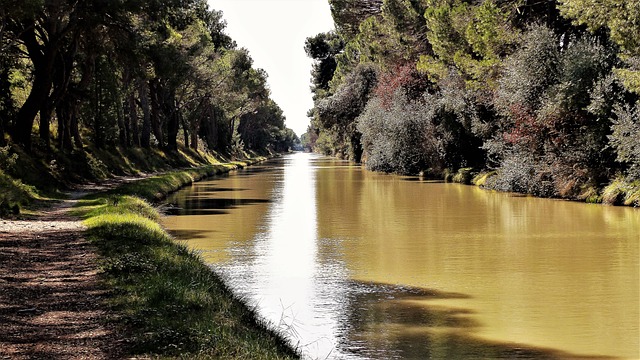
(354, 264)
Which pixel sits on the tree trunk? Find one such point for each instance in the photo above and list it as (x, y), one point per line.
(45, 120)
(156, 113)
(63, 111)
(6, 103)
(43, 60)
(97, 112)
(27, 113)
(61, 80)
(194, 133)
(145, 136)
(122, 128)
(133, 120)
(185, 130)
(173, 127)
(74, 128)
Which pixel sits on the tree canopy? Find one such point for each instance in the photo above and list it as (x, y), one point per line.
(130, 73)
(543, 94)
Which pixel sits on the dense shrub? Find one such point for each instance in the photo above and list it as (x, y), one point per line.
(625, 138)
(339, 111)
(554, 97)
(405, 135)
(402, 137)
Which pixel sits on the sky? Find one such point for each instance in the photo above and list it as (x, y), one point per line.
(274, 32)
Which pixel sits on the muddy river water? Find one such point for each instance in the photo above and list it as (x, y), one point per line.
(352, 264)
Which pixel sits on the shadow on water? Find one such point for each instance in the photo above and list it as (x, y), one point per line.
(387, 321)
(254, 171)
(185, 235)
(422, 180)
(205, 206)
(215, 189)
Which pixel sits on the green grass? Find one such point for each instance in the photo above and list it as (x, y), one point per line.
(622, 192)
(14, 195)
(464, 176)
(170, 304)
(481, 178)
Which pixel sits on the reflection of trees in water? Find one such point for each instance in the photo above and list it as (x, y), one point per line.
(387, 321)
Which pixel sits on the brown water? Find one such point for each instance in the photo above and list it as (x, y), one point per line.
(354, 264)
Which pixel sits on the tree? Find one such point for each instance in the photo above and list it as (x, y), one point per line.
(339, 111)
(553, 137)
(620, 18)
(323, 49)
(626, 138)
(349, 14)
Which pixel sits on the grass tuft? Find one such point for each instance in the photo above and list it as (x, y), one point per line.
(613, 194)
(14, 195)
(463, 176)
(481, 178)
(590, 194)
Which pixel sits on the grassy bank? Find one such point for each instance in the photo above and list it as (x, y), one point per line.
(619, 191)
(170, 303)
(30, 180)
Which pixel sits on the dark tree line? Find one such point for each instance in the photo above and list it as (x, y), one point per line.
(131, 73)
(541, 95)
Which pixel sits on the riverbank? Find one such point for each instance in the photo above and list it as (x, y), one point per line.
(169, 303)
(108, 289)
(619, 192)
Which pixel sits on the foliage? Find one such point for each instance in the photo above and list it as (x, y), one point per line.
(323, 49)
(622, 192)
(625, 138)
(405, 134)
(340, 110)
(621, 21)
(14, 195)
(349, 14)
(552, 100)
(129, 73)
(538, 94)
(400, 136)
(471, 39)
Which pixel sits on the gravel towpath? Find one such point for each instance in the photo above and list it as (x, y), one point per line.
(51, 297)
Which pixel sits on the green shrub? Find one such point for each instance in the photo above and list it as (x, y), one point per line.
(14, 194)
(481, 178)
(464, 176)
(614, 193)
(590, 194)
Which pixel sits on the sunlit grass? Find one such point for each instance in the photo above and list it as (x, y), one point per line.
(481, 178)
(622, 192)
(464, 176)
(171, 304)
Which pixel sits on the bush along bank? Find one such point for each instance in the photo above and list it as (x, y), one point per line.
(620, 192)
(168, 301)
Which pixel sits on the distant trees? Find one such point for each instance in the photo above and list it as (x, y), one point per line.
(542, 93)
(128, 73)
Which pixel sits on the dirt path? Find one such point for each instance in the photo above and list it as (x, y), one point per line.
(51, 299)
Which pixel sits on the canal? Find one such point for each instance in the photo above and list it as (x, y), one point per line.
(351, 264)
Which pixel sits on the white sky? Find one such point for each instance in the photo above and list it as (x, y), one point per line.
(274, 32)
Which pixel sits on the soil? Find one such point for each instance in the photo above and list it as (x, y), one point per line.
(52, 300)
